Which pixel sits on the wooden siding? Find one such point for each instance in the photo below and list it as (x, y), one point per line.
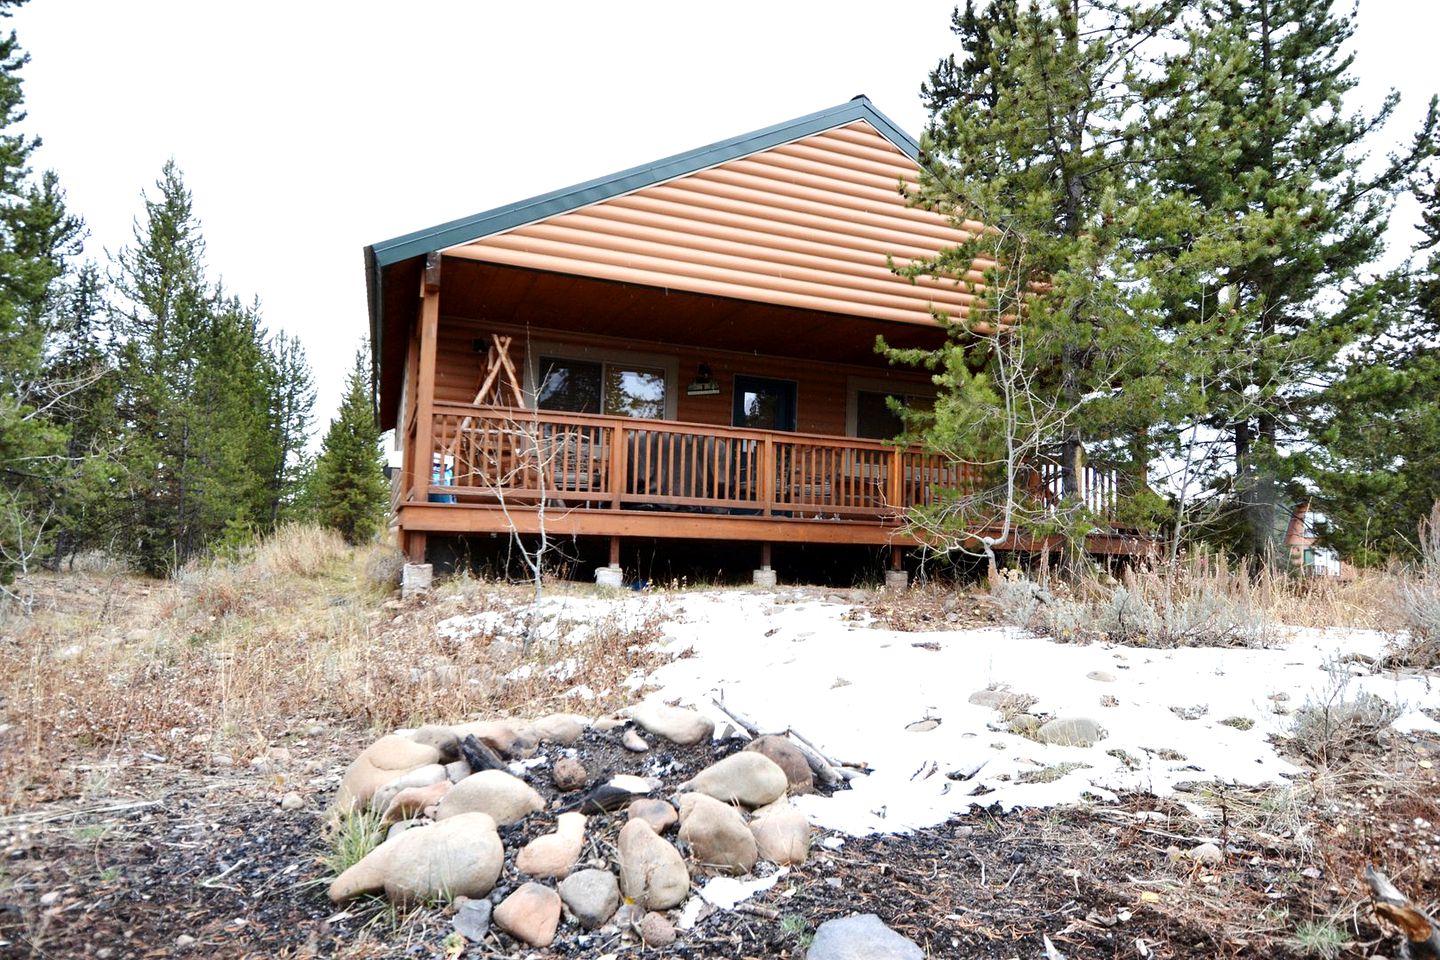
(808, 224)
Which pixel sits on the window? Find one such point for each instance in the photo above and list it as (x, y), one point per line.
(587, 386)
(875, 420)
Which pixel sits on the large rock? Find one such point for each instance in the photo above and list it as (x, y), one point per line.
(861, 937)
(752, 779)
(789, 758)
(530, 914)
(554, 854)
(782, 837)
(1071, 732)
(412, 801)
(652, 872)
(561, 728)
(460, 857)
(495, 792)
(676, 724)
(591, 895)
(995, 699)
(387, 759)
(717, 834)
(658, 813)
(442, 739)
(508, 738)
(426, 776)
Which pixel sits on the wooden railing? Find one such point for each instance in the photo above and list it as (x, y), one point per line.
(526, 457)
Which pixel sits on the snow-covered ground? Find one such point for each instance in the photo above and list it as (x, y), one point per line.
(788, 660)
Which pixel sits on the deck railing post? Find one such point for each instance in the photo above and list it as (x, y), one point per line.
(617, 465)
(767, 468)
(896, 491)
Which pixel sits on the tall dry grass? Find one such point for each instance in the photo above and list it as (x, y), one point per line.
(1203, 601)
(238, 655)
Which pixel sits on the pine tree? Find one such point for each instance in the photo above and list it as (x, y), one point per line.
(348, 489)
(1381, 462)
(1266, 150)
(37, 234)
(212, 417)
(1034, 133)
(290, 389)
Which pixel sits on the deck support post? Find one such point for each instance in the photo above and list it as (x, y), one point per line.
(765, 576)
(419, 455)
(896, 578)
(611, 576)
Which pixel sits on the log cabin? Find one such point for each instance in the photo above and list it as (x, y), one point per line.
(685, 349)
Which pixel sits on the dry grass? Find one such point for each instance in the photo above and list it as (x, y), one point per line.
(1203, 602)
(230, 659)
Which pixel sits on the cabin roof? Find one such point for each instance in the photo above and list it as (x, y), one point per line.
(547, 205)
(803, 214)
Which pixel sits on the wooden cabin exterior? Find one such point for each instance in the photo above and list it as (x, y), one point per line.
(681, 350)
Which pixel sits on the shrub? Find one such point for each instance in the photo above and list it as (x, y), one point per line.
(1335, 727)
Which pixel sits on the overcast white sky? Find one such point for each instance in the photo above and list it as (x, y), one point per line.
(307, 130)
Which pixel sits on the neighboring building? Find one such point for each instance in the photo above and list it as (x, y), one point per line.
(1302, 539)
(681, 350)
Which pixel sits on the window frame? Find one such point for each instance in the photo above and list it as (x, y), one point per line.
(855, 386)
(668, 364)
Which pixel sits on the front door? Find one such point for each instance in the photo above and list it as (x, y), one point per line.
(764, 404)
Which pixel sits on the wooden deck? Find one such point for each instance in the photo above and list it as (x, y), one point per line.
(497, 469)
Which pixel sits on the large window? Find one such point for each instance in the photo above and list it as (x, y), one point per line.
(588, 386)
(875, 420)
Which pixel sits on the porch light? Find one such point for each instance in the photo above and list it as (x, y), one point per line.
(704, 384)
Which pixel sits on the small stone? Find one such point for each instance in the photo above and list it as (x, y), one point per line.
(1101, 676)
(291, 801)
(591, 895)
(717, 834)
(752, 779)
(561, 728)
(472, 919)
(629, 915)
(461, 856)
(569, 774)
(184, 942)
(530, 914)
(1071, 732)
(790, 759)
(922, 726)
(50, 899)
(675, 724)
(994, 699)
(658, 813)
(554, 854)
(783, 837)
(414, 800)
(652, 872)
(656, 931)
(1206, 853)
(384, 761)
(426, 776)
(633, 742)
(861, 937)
(505, 797)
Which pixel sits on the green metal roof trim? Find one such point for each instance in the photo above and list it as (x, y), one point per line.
(636, 178)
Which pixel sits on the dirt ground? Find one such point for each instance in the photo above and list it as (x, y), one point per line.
(130, 852)
(213, 858)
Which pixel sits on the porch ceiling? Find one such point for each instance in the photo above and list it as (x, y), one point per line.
(483, 292)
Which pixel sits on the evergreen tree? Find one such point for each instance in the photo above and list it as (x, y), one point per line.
(1265, 149)
(1381, 463)
(1034, 132)
(212, 412)
(290, 388)
(348, 489)
(37, 233)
